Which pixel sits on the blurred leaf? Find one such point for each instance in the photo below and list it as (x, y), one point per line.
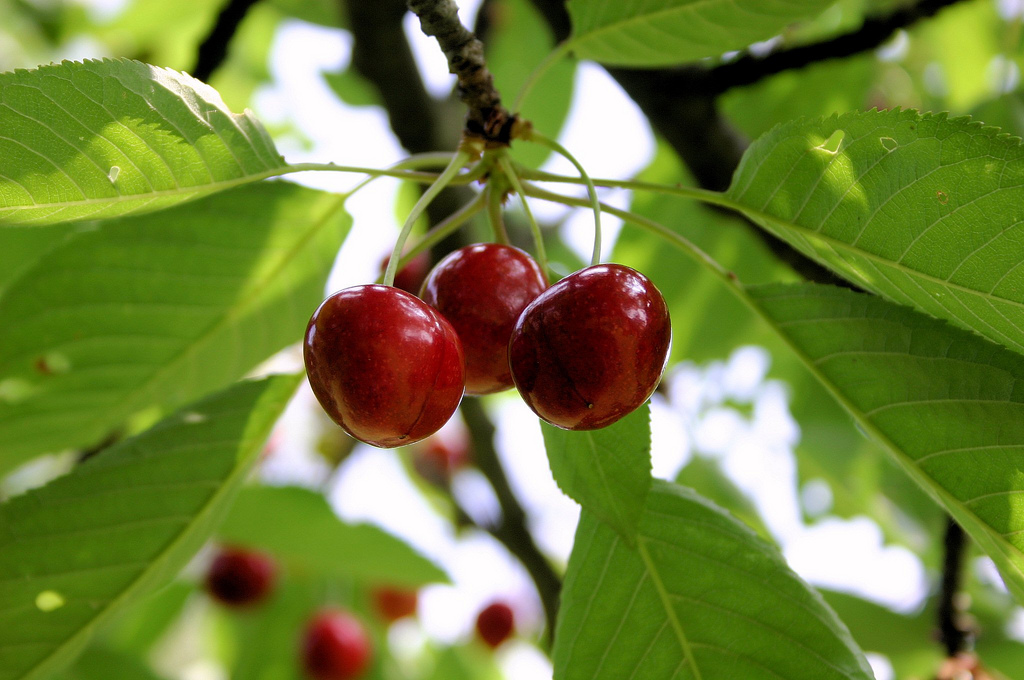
(22, 247)
(919, 208)
(821, 89)
(944, 402)
(158, 310)
(246, 66)
(145, 622)
(705, 476)
(907, 641)
(1005, 112)
(351, 87)
(667, 32)
(298, 526)
(700, 595)
(513, 60)
(607, 471)
(323, 12)
(108, 138)
(165, 33)
(78, 551)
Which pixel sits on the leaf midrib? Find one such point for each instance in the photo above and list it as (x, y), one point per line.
(846, 247)
(666, 601)
(214, 186)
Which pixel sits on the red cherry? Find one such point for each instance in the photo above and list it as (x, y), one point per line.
(482, 289)
(438, 458)
(592, 348)
(410, 277)
(238, 577)
(494, 624)
(335, 647)
(394, 603)
(385, 366)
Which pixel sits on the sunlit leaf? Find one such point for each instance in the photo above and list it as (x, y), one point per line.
(701, 596)
(108, 138)
(158, 310)
(298, 526)
(607, 471)
(922, 209)
(946, 403)
(665, 32)
(79, 550)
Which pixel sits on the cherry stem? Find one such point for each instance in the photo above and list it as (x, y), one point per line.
(495, 212)
(552, 144)
(538, 237)
(458, 161)
(661, 230)
(443, 228)
(702, 195)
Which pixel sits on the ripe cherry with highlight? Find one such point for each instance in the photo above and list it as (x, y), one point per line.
(482, 289)
(239, 578)
(385, 366)
(592, 348)
(494, 623)
(335, 646)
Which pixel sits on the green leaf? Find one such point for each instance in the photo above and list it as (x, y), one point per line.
(298, 526)
(946, 403)
(158, 310)
(706, 477)
(513, 60)
(666, 32)
(108, 138)
(607, 471)
(78, 551)
(700, 597)
(919, 208)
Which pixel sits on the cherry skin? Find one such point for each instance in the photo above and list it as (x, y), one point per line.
(592, 348)
(482, 289)
(410, 277)
(385, 366)
(494, 623)
(239, 578)
(394, 603)
(335, 647)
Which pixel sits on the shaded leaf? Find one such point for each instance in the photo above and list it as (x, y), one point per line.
(924, 210)
(158, 310)
(108, 138)
(701, 596)
(607, 471)
(78, 551)
(298, 526)
(666, 32)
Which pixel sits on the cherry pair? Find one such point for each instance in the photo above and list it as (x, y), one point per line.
(391, 368)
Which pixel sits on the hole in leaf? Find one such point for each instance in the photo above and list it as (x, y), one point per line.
(889, 143)
(49, 600)
(832, 144)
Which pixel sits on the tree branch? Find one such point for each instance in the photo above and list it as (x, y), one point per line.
(952, 633)
(692, 124)
(749, 69)
(512, 532)
(214, 48)
(487, 118)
